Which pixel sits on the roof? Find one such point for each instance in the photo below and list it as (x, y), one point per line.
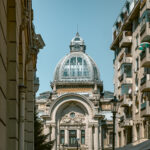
(77, 66)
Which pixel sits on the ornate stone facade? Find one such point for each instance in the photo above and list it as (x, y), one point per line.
(19, 46)
(74, 116)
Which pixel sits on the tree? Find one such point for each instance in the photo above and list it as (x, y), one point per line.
(40, 142)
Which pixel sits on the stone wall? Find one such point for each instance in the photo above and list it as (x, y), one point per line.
(19, 46)
(3, 73)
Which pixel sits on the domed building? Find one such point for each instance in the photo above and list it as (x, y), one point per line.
(74, 113)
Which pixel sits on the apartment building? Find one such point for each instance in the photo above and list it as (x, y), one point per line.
(131, 37)
(19, 47)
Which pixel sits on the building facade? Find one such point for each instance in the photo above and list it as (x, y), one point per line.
(132, 71)
(19, 46)
(76, 108)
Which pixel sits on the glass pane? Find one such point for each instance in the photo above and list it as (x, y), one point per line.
(85, 72)
(73, 61)
(125, 89)
(62, 140)
(62, 137)
(83, 140)
(79, 61)
(72, 71)
(128, 70)
(82, 136)
(72, 115)
(77, 39)
(72, 138)
(76, 67)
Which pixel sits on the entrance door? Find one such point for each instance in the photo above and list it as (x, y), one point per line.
(72, 138)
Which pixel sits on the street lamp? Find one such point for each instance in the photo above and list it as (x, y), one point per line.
(77, 140)
(114, 109)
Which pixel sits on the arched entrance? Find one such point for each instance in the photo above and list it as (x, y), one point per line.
(71, 117)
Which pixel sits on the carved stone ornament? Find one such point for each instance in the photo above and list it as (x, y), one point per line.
(73, 119)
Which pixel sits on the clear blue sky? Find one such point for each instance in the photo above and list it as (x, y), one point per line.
(56, 21)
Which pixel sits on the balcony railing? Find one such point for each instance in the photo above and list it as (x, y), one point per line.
(145, 109)
(126, 101)
(145, 83)
(145, 57)
(126, 39)
(125, 14)
(145, 31)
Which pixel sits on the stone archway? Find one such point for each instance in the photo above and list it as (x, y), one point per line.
(71, 113)
(71, 120)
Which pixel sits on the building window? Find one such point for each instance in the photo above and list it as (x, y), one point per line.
(72, 115)
(127, 70)
(72, 138)
(125, 89)
(82, 136)
(62, 137)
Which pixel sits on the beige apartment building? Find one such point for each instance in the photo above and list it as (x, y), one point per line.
(19, 46)
(132, 74)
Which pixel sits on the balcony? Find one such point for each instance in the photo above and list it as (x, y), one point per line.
(145, 83)
(145, 58)
(145, 4)
(126, 101)
(127, 60)
(124, 79)
(126, 39)
(145, 32)
(128, 12)
(145, 109)
(127, 122)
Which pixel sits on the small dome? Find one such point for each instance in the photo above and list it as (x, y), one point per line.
(77, 39)
(76, 67)
(77, 44)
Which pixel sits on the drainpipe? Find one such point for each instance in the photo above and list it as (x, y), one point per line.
(21, 116)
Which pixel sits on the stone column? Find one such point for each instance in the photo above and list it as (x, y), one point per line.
(54, 136)
(100, 136)
(66, 136)
(134, 133)
(58, 135)
(21, 116)
(79, 135)
(141, 131)
(58, 139)
(90, 138)
(96, 145)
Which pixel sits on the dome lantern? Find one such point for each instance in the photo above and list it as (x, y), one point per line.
(77, 44)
